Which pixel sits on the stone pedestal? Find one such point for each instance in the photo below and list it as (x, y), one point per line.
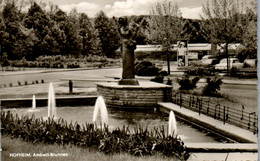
(128, 82)
(144, 96)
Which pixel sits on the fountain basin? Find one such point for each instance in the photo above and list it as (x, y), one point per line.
(144, 96)
(41, 102)
(120, 118)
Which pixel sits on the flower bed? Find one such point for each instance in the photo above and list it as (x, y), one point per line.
(140, 142)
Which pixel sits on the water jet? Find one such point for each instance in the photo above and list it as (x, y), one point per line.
(51, 102)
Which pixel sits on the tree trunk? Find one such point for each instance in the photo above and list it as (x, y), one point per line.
(226, 49)
(168, 63)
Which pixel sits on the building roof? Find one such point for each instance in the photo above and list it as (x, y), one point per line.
(191, 47)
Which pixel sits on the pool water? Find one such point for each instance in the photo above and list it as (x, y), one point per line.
(118, 118)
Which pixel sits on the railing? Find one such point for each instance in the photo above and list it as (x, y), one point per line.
(203, 105)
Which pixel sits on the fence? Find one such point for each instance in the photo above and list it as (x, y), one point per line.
(235, 116)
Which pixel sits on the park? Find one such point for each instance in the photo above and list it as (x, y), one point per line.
(149, 87)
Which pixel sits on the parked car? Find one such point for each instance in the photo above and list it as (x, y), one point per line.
(208, 60)
(250, 63)
(233, 63)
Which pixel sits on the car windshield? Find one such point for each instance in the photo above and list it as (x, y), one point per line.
(223, 61)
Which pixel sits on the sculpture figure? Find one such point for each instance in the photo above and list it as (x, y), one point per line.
(128, 34)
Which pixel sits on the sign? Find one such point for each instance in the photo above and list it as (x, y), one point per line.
(193, 55)
(182, 53)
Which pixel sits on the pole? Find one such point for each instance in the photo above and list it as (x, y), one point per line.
(168, 63)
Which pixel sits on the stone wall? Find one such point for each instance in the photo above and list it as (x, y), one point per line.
(141, 97)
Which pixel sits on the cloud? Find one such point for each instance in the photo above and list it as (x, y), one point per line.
(84, 7)
(143, 7)
(128, 7)
(193, 13)
(132, 7)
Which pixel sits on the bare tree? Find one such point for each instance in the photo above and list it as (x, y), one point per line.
(223, 23)
(166, 26)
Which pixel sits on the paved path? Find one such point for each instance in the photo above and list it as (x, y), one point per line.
(223, 157)
(221, 147)
(118, 75)
(225, 129)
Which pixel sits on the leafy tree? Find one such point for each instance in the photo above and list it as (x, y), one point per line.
(70, 27)
(51, 37)
(10, 23)
(107, 33)
(4, 36)
(37, 20)
(16, 40)
(192, 27)
(223, 23)
(90, 40)
(166, 26)
(249, 38)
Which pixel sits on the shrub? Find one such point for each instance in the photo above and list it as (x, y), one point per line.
(160, 77)
(36, 82)
(72, 65)
(19, 83)
(169, 81)
(212, 86)
(10, 84)
(233, 72)
(42, 81)
(146, 68)
(25, 83)
(139, 142)
(200, 70)
(4, 60)
(186, 83)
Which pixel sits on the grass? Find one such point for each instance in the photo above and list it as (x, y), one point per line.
(73, 153)
(234, 97)
(237, 98)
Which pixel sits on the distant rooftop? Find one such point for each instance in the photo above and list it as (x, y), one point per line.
(191, 47)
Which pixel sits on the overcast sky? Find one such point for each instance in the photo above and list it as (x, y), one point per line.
(189, 8)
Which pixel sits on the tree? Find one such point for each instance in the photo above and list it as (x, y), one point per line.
(249, 38)
(107, 33)
(16, 40)
(166, 26)
(4, 36)
(223, 23)
(89, 35)
(37, 20)
(70, 27)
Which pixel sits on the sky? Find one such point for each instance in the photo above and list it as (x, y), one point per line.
(189, 8)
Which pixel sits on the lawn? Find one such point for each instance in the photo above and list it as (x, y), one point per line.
(230, 95)
(70, 153)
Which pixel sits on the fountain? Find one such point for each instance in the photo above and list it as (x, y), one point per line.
(100, 106)
(51, 102)
(172, 127)
(128, 92)
(34, 103)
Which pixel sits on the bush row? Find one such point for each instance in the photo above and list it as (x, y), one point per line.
(19, 83)
(200, 70)
(140, 142)
(58, 61)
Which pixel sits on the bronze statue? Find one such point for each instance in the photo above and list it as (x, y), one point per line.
(128, 34)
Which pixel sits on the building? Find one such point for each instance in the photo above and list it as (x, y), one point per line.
(195, 51)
